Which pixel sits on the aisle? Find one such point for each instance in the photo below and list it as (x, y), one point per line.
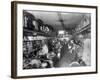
(66, 57)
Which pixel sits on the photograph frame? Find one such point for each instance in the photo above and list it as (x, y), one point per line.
(14, 37)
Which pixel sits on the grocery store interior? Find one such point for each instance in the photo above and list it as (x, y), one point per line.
(56, 39)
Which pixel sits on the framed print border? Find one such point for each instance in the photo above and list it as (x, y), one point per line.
(14, 36)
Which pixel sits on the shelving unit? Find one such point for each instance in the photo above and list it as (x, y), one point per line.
(84, 25)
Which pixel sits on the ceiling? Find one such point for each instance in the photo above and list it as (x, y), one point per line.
(70, 20)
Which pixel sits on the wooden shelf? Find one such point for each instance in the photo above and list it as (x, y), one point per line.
(36, 32)
(83, 29)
